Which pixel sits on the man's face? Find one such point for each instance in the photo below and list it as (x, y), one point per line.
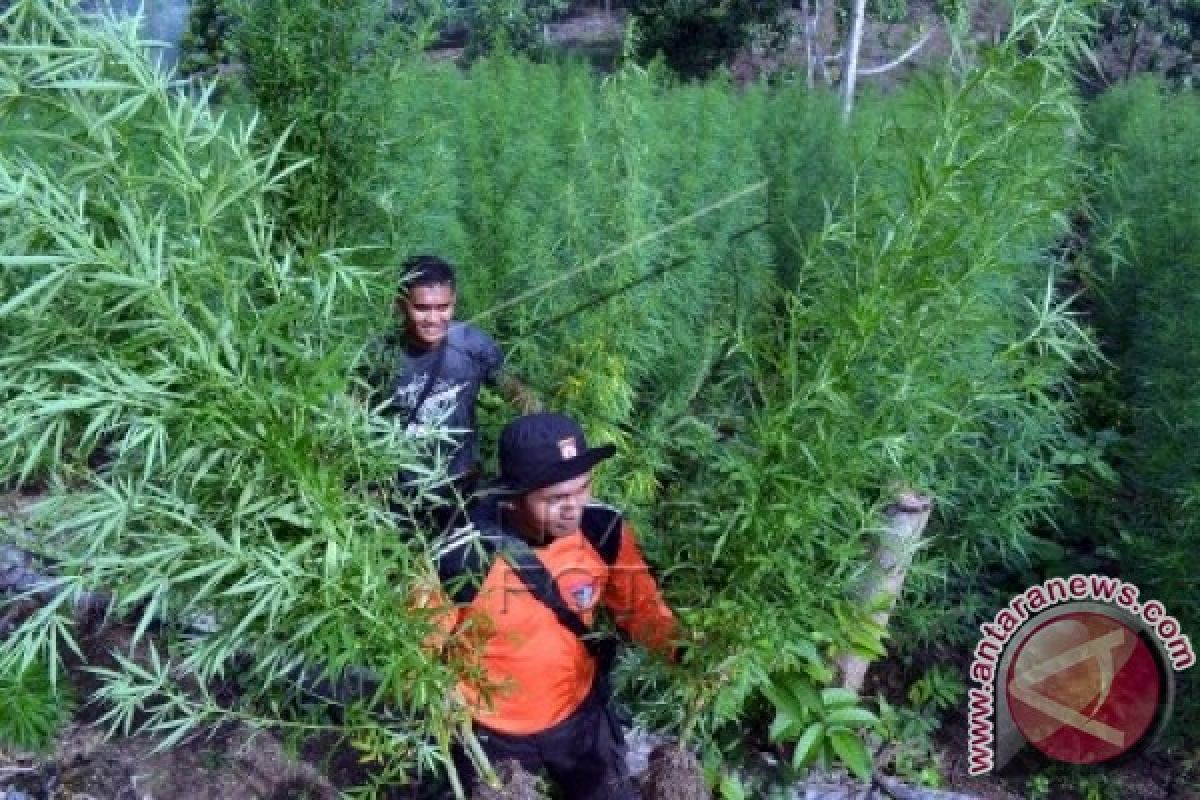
(554, 511)
(427, 313)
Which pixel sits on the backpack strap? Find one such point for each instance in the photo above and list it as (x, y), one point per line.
(602, 526)
(538, 580)
(529, 568)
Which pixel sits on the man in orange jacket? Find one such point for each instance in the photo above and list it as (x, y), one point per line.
(527, 579)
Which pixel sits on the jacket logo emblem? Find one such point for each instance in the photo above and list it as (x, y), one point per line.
(584, 594)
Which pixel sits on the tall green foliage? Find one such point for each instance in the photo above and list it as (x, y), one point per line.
(158, 324)
(694, 38)
(922, 342)
(554, 191)
(314, 69)
(1150, 321)
(506, 26)
(894, 320)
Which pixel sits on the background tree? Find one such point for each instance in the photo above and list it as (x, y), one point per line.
(695, 37)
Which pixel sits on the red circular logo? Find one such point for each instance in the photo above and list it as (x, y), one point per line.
(1084, 688)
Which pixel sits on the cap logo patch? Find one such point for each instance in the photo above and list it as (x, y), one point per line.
(566, 448)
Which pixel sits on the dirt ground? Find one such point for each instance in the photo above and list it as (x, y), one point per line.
(234, 764)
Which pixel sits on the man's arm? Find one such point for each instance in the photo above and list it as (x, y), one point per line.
(495, 374)
(636, 602)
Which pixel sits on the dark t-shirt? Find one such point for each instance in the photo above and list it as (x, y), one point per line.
(472, 358)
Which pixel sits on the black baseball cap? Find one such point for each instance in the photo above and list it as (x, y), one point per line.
(538, 450)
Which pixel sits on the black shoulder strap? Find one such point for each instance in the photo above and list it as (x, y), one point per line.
(464, 564)
(540, 583)
(435, 372)
(602, 527)
(538, 580)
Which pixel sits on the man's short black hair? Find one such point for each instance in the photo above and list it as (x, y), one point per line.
(426, 271)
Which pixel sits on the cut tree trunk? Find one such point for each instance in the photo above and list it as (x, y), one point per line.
(906, 521)
(515, 784)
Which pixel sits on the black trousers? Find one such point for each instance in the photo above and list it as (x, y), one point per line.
(583, 756)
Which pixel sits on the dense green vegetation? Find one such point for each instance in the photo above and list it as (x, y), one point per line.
(181, 341)
(1151, 328)
(867, 380)
(693, 38)
(777, 318)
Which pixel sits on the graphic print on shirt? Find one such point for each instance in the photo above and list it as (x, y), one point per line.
(439, 405)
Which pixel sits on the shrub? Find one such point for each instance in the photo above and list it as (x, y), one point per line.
(206, 42)
(313, 69)
(34, 705)
(507, 26)
(556, 205)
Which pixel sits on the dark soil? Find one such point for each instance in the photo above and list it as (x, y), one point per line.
(239, 764)
(674, 774)
(516, 784)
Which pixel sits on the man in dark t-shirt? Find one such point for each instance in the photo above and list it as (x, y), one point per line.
(432, 369)
(470, 360)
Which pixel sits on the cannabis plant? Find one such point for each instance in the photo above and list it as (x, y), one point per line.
(34, 705)
(314, 70)
(591, 245)
(922, 342)
(1149, 324)
(176, 373)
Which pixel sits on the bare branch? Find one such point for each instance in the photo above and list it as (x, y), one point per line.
(900, 59)
(850, 65)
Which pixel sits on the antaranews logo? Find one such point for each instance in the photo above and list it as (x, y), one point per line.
(1076, 667)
